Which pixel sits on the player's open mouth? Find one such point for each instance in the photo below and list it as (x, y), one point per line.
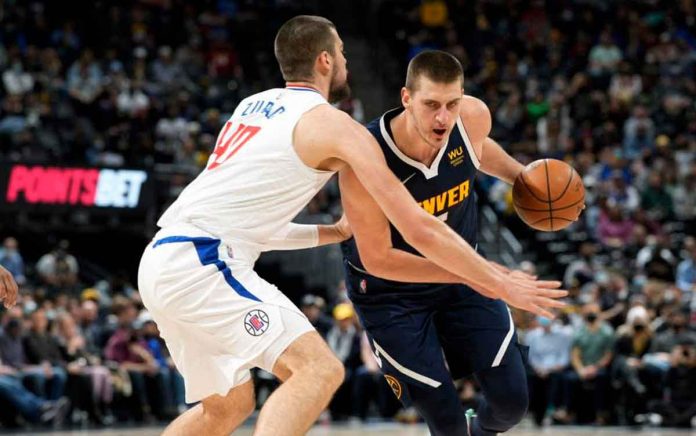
(439, 132)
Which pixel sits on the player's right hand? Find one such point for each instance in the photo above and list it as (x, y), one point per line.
(534, 296)
(8, 288)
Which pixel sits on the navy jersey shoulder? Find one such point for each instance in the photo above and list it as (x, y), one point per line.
(444, 189)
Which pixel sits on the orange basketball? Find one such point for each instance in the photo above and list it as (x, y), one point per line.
(548, 195)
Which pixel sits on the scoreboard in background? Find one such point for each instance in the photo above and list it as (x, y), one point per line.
(43, 187)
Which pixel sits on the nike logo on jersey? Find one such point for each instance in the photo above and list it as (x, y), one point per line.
(437, 203)
(403, 182)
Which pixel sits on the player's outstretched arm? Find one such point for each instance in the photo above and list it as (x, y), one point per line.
(326, 138)
(299, 236)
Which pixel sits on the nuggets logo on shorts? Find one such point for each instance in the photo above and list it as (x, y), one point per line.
(394, 385)
(256, 322)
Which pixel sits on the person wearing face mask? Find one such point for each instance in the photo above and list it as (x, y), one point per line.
(549, 357)
(591, 355)
(628, 370)
(678, 332)
(678, 406)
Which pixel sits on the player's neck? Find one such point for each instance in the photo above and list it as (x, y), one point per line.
(410, 142)
(323, 90)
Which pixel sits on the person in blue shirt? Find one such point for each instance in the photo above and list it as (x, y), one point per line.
(549, 357)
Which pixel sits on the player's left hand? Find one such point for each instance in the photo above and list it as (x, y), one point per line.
(516, 273)
(8, 288)
(342, 227)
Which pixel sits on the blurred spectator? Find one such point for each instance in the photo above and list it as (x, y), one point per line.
(87, 366)
(344, 341)
(639, 134)
(686, 271)
(91, 327)
(370, 385)
(17, 81)
(312, 306)
(124, 349)
(32, 408)
(676, 333)
(614, 228)
(684, 197)
(58, 268)
(48, 376)
(625, 85)
(173, 382)
(655, 198)
(590, 356)
(628, 371)
(656, 259)
(84, 82)
(604, 57)
(12, 260)
(622, 194)
(583, 269)
(678, 406)
(549, 358)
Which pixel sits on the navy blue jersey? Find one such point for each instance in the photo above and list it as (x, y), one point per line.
(445, 189)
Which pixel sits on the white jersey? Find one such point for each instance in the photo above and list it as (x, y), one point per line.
(254, 183)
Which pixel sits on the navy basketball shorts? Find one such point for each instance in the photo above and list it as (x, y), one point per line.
(432, 337)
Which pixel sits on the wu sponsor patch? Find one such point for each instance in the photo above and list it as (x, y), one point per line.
(394, 385)
(256, 322)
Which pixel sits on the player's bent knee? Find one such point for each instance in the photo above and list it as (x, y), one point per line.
(510, 408)
(334, 372)
(236, 406)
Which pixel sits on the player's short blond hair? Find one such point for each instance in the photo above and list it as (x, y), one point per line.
(436, 65)
(298, 43)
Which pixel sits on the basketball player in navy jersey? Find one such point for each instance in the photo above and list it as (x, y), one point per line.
(425, 326)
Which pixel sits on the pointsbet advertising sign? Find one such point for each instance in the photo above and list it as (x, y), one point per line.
(44, 186)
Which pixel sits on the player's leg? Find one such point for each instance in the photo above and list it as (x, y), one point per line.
(311, 375)
(478, 335)
(404, 338)
(216, 414)
(221, 321)
(505, 397)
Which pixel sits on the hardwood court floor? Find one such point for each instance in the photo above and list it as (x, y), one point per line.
(392, 430)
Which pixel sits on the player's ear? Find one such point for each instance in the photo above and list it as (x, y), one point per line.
(405, 97)
(324, 62)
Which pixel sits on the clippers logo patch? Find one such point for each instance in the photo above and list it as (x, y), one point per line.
(394, 385)
(256, 322)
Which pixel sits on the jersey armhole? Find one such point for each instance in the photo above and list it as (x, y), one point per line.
(293, 151)
(469, 146)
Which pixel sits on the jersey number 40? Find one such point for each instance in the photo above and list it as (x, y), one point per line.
(229, 143)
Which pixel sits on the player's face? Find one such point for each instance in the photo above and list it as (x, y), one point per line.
(339, 88)
(433, 109)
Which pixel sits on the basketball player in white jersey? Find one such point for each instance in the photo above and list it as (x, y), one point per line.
(218, 317)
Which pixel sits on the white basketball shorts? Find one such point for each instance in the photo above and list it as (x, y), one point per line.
(217, 316)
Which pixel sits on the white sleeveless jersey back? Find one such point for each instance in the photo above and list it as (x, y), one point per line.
(254, 182)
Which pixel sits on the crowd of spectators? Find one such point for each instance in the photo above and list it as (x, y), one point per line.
(75, 355)
(607, 86)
